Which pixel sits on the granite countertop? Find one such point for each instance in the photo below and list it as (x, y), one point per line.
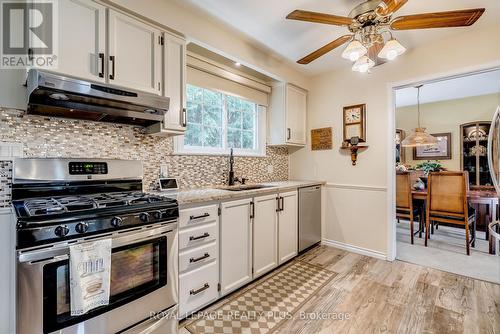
(192, 196)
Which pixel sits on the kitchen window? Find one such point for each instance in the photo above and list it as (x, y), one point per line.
(217, 122)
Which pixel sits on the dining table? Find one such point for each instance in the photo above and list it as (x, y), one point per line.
(476, 199)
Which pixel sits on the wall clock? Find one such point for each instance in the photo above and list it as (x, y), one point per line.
(355, 122)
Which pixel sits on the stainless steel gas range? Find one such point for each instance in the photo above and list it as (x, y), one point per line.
(60, 202)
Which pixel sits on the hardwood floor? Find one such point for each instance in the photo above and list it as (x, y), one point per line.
(374, 296)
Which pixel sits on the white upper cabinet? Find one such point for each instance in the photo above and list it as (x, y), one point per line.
(296, 106)
(175, 83)
(288, 226)
(135, 52)
(82, 43)
(288, 115)
(235, 244)
(265, 234)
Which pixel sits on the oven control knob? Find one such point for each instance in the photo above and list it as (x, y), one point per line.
(61, 231)
(116, 221)
(81, 227)
(144, 217)
(157, 214)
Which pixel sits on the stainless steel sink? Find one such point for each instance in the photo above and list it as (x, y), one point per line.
(243, 187)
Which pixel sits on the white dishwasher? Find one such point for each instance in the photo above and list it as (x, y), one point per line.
(309, 216)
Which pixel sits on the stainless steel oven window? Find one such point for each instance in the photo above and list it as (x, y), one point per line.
(136, 270)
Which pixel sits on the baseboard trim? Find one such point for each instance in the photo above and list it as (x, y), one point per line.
(354, 249)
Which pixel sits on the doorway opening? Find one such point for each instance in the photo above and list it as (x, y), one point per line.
(443, 182)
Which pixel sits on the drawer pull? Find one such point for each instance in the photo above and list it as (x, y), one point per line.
(192, 260)
(206, 214)
(204, 235)
(197, 291)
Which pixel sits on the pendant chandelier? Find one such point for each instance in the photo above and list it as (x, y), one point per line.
(419, 137)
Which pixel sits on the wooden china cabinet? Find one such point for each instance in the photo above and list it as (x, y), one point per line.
(474, 159)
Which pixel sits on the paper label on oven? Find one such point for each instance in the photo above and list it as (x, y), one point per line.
(90, 269)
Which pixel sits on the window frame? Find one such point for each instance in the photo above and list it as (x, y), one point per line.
(259, 134)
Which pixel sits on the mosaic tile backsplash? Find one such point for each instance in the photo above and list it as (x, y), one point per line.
(54, 137)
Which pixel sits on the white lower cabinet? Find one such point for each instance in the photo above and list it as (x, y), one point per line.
(193, 258)
(265, 234)
(198, 258)
(288, 226)
(235, 244)
(198, 287)
(222, 250)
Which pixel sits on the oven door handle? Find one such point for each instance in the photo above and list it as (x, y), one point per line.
(62, 252)
(43, 262)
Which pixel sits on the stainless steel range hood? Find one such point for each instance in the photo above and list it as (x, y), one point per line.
(55, 95)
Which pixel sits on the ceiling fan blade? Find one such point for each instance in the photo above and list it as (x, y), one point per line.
(373, 52)
(325, 49)
(388, 7)
(457, 18)
(303, 15)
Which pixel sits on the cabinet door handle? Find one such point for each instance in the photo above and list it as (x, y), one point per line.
(278, 204)
(184, 118)
(252, 210)
(101, 58)
(197, 291)
(206, 214)
(112, 75)
(197, 259)
(282, 203)
(288, 133)
(204, 235)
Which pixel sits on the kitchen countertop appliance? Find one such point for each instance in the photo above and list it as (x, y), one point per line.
(62, 202)
(309, 217)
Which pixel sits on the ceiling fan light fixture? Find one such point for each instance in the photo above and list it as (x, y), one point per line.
(363, 64)
(392, 49)
(354, 50)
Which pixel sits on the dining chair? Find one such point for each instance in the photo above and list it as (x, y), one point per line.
(447, 203)
(404, 201)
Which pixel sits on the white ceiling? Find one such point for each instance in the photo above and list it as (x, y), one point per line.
(472, 85)
(264, 21)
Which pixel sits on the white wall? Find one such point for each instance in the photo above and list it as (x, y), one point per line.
(356, 215)
(444, 117)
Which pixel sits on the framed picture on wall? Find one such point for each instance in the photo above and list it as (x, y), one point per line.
(400, 151)
(440, 151)
(355, 122)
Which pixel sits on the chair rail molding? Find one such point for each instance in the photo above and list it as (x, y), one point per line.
(355, 187)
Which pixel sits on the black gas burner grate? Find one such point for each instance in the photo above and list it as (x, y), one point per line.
(58, 205)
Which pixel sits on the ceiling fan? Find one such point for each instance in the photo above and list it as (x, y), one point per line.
(368, 22)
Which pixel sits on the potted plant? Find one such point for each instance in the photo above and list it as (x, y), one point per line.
(428, 167)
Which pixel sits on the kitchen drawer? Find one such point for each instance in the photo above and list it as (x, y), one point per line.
(195, 216)
(197, 257)
(198, 288)
(198, 235)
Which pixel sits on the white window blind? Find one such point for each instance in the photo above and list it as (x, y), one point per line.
(209, 76)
